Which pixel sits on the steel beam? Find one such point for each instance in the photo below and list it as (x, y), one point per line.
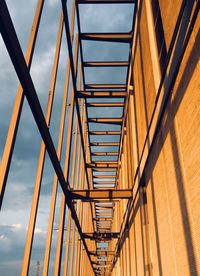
(104, 132)
(75, 167)
(103, 144)
(12, 44)
(113, 121)
(101, 194)
(66, 171)
(104, 169)
(102, 165)
(105, 86)
(39, 175)
(101, 236)
(105, 64)
(109, 37)
(101, 253)
(106, 104)
(112, 153)
(59, 151)
(65, 12)
(101, 94)
(17, 109)
(104, 182)
(73, 74)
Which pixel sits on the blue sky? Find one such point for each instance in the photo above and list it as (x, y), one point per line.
(17, 202)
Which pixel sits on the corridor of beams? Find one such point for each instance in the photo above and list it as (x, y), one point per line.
(95, 191)
(92, 158)
(113, 184)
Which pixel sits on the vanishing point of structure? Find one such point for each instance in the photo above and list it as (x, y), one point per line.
(129, 174)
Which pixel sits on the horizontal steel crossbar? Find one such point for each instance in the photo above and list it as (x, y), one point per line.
(101, 194)
(108, 104)
(109, 37)
(101, 236)
(105, 64)
(116, 121)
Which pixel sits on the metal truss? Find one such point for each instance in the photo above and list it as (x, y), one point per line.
(98, 191)
(101, 183)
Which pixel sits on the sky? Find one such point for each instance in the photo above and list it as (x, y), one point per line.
(14, 215)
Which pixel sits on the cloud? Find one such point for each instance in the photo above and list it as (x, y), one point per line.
(2, 237)
(106, 18)
(39, 231)
(17, 226)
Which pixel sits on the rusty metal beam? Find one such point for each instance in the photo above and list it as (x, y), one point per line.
(101, 194)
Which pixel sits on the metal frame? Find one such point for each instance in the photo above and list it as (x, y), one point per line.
(101, 186)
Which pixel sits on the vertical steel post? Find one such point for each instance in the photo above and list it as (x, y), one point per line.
(17, 109)
(130, 181)
(65, 269)
(36, 194)
(73, 226)
(74, 164)
(59, 151)
(79, 245)
(66, 174)
(127, 185)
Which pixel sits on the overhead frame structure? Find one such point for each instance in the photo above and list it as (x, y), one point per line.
(102, 187)
(99, 213)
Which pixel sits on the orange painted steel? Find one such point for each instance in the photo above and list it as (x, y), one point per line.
(104, 164)
(15, 118)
